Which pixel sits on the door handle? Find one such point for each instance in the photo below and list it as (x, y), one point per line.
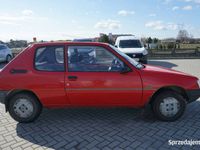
(18, 71)
(72, 77)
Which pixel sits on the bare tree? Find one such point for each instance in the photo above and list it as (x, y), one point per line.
(183, 36)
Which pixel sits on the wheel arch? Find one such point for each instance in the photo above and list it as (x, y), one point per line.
(8, 56)
(177, 89)
(18, 91)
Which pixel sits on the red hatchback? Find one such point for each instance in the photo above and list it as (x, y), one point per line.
(73, 74)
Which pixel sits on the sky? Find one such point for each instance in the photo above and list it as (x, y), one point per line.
(69, 19)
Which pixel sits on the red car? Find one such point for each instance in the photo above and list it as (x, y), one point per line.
(75, 74)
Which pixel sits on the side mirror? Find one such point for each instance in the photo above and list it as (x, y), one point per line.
(116, 46)
(145, 46)
(125, 69)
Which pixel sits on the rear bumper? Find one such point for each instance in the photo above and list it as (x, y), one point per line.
(3, 95)
(193, 95)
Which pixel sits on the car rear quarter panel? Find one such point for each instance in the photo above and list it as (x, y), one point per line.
(29, 80)
(11, 81)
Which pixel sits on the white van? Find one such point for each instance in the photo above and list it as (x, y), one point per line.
(133, 47)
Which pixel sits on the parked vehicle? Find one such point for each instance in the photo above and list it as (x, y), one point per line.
(84, 40)
(79, 74)
(133, 47)
(5, 53)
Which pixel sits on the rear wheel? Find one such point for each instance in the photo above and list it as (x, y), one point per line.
(169, 106)
(24, 108)
(8, 58)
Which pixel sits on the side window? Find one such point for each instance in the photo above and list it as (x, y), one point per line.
(50, 58)
(92, 59)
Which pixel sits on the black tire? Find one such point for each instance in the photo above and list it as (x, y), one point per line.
(31, 100)
(159, 99)
(8, 58)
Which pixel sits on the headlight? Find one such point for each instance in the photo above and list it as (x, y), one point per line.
(198, 82)
(145, 52)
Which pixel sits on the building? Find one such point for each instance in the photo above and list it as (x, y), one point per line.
(113, 37)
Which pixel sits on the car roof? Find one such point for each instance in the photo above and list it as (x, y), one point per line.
(70, 43)
(127, 38)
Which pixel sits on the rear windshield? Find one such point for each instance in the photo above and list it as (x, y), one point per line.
(130, 44)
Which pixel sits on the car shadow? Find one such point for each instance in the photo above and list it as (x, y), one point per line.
(79, 128)
(162, 63)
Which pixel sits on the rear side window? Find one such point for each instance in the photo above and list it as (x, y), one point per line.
(50, 58)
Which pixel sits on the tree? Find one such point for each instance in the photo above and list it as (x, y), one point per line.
(170, 45)
(183, 36)
(104, 39)
(149, 40)
(155, 40)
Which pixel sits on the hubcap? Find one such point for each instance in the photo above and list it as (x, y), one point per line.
(23, 108)
(169, 107)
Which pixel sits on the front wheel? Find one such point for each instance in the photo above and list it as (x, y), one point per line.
(169, 106)
(24, 107)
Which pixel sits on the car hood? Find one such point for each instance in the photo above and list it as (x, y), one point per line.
(158, 77)
(163, 70)
(132, 50)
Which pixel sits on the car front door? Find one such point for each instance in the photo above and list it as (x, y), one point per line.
(93, 78)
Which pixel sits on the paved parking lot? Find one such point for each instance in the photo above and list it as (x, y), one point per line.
(116, 128)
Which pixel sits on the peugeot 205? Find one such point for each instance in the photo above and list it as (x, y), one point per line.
(75, 74)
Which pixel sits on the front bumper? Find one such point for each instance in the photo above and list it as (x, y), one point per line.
(3, 95)
(140, 56)
(135, 55)
(193, 95)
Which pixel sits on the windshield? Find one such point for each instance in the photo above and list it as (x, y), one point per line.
(129, 59)
(130, 44)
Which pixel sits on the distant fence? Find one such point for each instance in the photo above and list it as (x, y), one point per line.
(155, 53)
(175, 53)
